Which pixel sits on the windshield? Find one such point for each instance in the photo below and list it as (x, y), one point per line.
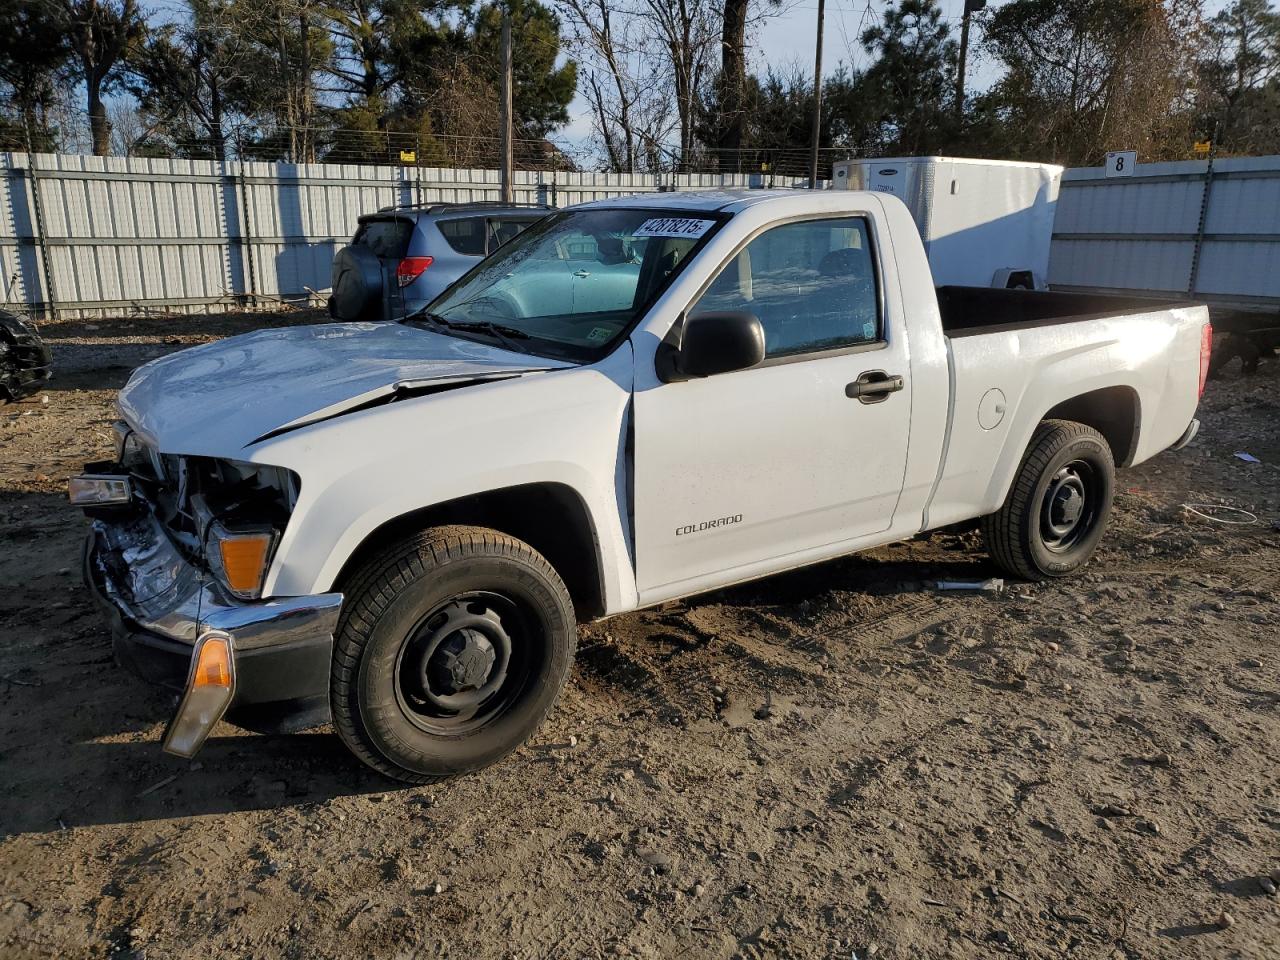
(573, 284)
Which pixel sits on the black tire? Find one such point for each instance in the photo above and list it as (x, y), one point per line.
(1057, 509)
(430, 625)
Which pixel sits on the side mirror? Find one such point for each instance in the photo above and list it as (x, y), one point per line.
(711, 343)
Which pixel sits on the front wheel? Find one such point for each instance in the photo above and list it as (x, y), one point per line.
(1057, 509)
(452, 648)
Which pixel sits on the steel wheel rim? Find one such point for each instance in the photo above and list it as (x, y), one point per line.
(1069, 506)
(466, 663)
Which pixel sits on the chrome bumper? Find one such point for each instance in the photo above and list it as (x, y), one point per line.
(1187, 435)
(159, 606)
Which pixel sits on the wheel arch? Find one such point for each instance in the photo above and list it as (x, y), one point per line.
(1115, 412)
(551, 517)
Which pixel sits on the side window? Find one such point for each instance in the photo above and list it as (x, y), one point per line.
(812, 284)
(503, 231)
(465, 235)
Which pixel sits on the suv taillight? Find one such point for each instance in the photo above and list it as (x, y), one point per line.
(410, 269)
(1206, 348)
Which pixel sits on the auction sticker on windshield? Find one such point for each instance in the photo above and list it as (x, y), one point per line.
(673, 227)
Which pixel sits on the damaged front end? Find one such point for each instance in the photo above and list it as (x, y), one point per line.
(25, 360)
(177, 555)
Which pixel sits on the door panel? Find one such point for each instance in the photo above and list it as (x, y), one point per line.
(745, 468)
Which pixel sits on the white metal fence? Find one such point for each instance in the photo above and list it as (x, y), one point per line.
(85, 236)
(1185, 229)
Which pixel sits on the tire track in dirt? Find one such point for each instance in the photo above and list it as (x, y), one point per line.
(717, 649)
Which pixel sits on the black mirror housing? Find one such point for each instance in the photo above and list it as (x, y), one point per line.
(713, 342)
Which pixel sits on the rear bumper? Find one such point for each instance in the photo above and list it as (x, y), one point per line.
(158, 605)
(1187, 435)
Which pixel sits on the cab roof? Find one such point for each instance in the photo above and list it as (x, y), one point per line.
(730, 201)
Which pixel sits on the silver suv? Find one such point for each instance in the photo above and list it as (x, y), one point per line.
(402, 258)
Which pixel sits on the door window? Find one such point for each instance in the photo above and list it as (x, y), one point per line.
(812, 284)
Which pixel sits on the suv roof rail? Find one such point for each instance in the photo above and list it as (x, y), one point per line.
(438, 207)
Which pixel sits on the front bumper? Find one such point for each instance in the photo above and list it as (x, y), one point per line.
(158, 605)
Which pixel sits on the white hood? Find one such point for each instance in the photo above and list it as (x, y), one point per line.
(218, 398)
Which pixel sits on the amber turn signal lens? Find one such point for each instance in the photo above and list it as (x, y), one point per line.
(213, 667)
(244, 558)
(211, 686)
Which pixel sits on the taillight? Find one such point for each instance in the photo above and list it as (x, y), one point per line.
(1206, 348)
(410, 269)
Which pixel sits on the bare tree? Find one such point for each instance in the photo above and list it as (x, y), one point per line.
(289, 45)
(687, 29)
(101, 33)
(611, 89)
(129, 128)
(623, 61)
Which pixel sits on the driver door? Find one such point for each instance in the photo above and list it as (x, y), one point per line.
(743, 473)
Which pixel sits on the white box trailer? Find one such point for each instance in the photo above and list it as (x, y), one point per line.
(983, 222)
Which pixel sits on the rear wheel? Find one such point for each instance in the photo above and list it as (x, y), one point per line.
(1057, 509)
(452, 648)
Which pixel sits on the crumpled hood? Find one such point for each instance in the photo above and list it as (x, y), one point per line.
(217, 398)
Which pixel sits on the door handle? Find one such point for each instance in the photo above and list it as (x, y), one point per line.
(874, 386)
(582, 273)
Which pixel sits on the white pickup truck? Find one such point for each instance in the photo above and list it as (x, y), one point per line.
(398, 525)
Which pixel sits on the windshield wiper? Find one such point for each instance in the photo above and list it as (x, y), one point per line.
(487, 325)
(498, 331)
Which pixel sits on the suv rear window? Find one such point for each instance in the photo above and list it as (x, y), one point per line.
(388, 239)
(467, 235)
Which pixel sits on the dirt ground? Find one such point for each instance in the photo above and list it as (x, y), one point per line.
(840, 762)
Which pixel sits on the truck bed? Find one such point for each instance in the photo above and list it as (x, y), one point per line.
(969, 311)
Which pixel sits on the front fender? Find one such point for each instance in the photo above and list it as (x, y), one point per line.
(365, 469)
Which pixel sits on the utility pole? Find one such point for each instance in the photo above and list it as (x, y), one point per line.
(817, 100)
(969, 7)
(505, 162)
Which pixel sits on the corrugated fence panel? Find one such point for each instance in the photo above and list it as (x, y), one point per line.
(168, 234)
(1142, 233)
(20, 272)
(1240, 269)
(1125, 265)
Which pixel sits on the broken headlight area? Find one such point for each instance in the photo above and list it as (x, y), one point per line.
(225, 516)
(229, 515)
(93, 491)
